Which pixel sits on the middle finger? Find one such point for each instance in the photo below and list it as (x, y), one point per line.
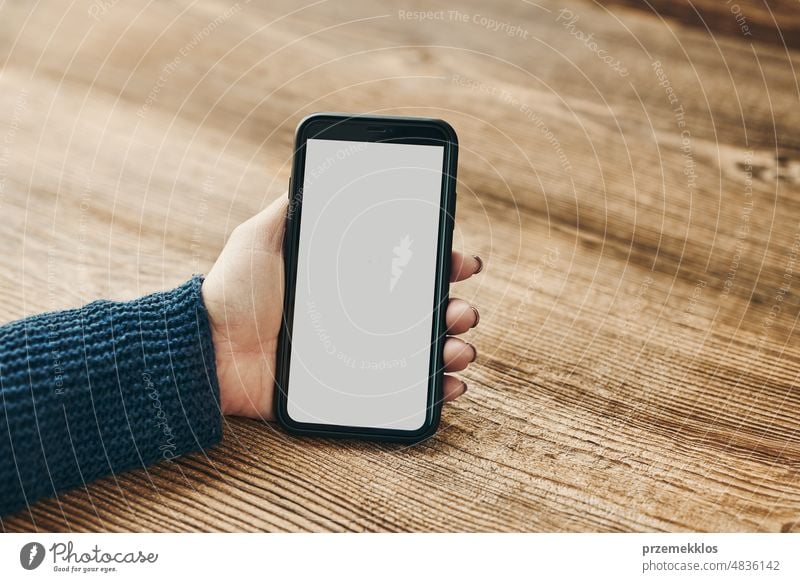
(461, 316)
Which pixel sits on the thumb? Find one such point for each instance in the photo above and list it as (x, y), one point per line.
(265, 229)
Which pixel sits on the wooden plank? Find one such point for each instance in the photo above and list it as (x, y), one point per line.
(776, 22)
(631, 373)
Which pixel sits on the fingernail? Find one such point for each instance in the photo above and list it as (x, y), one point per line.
(474, 353)
(464, 384)
(480, 263)
(477, 316)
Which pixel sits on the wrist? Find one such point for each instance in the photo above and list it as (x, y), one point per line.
(222, 359)
(241, 377)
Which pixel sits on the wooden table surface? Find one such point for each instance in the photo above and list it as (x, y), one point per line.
(635, 194)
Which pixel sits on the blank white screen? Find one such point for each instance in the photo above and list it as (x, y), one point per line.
(363, 315)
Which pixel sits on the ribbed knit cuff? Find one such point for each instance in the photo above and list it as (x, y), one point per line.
(104, 388)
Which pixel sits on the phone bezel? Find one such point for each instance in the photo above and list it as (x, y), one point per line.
(372, 128)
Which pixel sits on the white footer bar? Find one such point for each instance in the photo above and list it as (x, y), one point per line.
(405, 557)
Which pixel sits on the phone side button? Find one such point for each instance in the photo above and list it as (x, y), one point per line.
(453, 217)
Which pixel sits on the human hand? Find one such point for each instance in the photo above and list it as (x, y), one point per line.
(243, 294)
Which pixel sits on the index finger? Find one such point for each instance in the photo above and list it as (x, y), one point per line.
(464, 266)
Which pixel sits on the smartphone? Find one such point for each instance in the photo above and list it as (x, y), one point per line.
(367, 253)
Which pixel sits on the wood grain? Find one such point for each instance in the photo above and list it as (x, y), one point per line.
(639, 361)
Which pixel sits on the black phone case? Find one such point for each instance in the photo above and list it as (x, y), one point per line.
(370, 128)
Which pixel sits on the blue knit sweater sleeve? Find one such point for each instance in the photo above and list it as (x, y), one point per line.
(101, 389)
